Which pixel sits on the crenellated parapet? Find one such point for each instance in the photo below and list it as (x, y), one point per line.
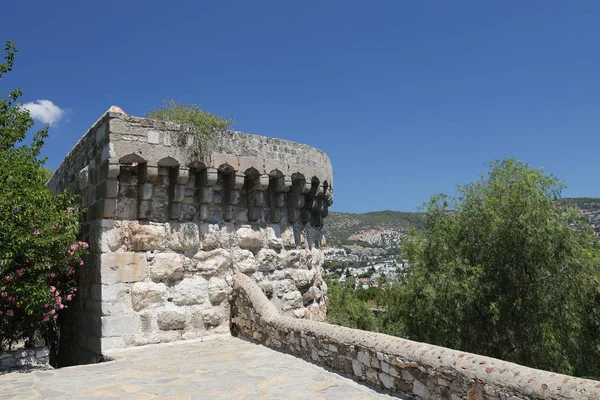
(143, 169)
(170, 220)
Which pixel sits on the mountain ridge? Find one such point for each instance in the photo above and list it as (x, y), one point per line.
(386, 228)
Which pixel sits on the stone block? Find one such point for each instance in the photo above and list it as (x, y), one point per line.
(251, 237)
(171, 320)
(268, 260)
(84, 178)
(118, 325)
(190, 291)
(273, 236)
(244, 261)
(291, 300)
(8, 362)
(183, 236)
(218, 290)
(108, 188)
(111, 239)
(146, 237)
(167, 266)
(153, 137)
(211, 263)
(145, 191)
(122, 267)
(147, 295)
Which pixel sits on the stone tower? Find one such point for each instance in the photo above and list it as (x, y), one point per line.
(169, 220)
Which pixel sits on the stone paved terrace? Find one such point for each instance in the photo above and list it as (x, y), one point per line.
(222, 367)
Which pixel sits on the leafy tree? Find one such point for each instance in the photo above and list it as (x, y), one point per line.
(39, 250)
(505, 270)
(204, 123)
(346, 309)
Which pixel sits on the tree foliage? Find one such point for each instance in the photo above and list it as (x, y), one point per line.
(503, 269)
(39, 250)
(346, 309)
(205, 124)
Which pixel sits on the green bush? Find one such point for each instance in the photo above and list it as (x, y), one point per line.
(39, 250)
(204, 123)
(504, 270)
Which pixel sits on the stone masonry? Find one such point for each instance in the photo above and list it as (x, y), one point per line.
(170, 220)
(410, 370)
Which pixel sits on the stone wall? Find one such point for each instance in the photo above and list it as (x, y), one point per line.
(412, 370)
(169, 221)
(24, 358)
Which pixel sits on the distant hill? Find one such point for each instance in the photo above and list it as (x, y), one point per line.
(589, 206)
(386, 228)
(379, 228)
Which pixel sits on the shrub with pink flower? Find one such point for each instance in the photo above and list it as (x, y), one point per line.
(39, 235)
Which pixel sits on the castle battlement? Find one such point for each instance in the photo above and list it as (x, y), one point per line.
(171, 219)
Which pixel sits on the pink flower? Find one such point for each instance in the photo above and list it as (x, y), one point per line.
(8, 278)
(74, 246)
(20, 272)
(37, 233)
(52, 289)
(10, 313)
(80, 261)
(69, 297)
(52, 312)
(46, 319)
(3, 294)
(52, 275)
(56, 316)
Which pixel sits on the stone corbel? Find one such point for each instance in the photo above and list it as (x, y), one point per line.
(296, 199)
(205, 191)
(278, 188)
(256, 197)
(147, 177)
(231, 191)
(177, 181)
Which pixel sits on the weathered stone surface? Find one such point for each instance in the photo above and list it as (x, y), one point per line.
(273, 236)
(248, 236)
(244, 261)
(167, 266)
(268, 260)
(291, 300)
(288, 239)
(146, 237)
(302, 278)
(212, 263)
(183, 236)
(295, 259)
(190, 291)
(171, 320)
(147, 295)
(123, 267)
(111, 239)
(218, 290)
(118, 325)
(211, 317)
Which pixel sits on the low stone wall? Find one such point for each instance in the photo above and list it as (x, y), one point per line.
(23, 358)
(413, 370)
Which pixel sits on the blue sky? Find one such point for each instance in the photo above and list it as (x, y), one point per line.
(407, 98)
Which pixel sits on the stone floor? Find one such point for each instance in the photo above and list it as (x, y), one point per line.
(219, 368)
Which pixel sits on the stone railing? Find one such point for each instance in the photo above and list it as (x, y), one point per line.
(411, 369)
(24, 358)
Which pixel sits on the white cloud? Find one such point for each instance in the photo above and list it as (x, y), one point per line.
(45, 111)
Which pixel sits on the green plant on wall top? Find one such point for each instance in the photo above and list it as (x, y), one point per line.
(205, 124)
